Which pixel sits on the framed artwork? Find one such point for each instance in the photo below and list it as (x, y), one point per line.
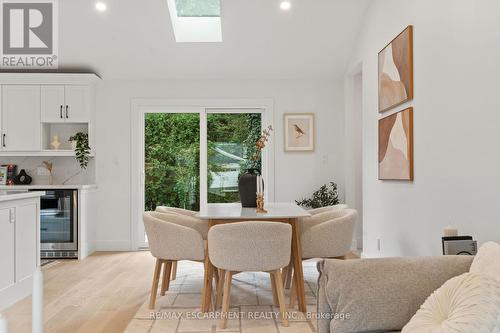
(299, 131)
(395, 71)
(395, 146)
(3, 175)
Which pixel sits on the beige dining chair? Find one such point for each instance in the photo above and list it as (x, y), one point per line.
(189, 219)
(249, 247)
(327, 208)
(181, 211)
(318, 215)
(170, 239)
(327, 235)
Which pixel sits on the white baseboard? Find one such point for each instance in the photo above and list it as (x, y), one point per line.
(113, 245)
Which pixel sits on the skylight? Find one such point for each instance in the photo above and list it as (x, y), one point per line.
(198, 8)
(195, 20)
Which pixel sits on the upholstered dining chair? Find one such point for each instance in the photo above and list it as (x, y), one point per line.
(327, 235)
(181, 211)
(249, 247)
(327, 208)
(189, 219)
(318, 216)
(170, 239)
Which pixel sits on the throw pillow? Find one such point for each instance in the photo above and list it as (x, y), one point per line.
(487, 260)
(468, 303)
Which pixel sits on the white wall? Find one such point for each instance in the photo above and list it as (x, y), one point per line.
(456, 125)
(297, 174)
(353, 122)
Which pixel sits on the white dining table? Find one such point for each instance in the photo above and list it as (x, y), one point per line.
(284, 212)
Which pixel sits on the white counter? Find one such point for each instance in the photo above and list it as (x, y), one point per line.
(48, 187)
(10, 195)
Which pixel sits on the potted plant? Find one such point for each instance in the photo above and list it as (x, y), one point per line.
(327, 195)
(80, 144)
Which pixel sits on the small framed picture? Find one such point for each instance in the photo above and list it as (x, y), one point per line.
(299, 131)
(3, 175)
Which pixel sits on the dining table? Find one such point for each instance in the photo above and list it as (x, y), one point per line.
(285, 212)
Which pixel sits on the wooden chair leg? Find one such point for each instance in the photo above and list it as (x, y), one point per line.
(216, 276)
(288, 277)
(273, 287)
(226, 297)
(173, 275)
(220, 286)
(156, 280)
(165, 283)
(280, 291)
(293, 296)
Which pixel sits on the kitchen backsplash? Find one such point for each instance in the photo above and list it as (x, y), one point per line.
(65, 170)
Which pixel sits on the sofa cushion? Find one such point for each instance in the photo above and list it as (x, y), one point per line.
(487, 260)
(468, 303)
(380, 294)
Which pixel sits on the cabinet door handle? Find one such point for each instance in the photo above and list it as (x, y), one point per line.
(3, 140)
(67, 111)
(60, 112)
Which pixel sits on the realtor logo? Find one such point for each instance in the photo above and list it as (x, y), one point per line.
(29, 34)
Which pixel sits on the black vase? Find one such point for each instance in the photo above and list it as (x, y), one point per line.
(247, 186)
(22, 178)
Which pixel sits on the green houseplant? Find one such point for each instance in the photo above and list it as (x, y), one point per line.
(82, 148)
(327, 195)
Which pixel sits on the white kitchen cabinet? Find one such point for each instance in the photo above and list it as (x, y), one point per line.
(36, 107)
(52, 104)
(21, 118)
(7, 249)
(65, 103)
(26, 239)
(19, 244)
(77, 103)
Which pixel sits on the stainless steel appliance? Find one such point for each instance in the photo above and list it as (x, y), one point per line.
(59, 223)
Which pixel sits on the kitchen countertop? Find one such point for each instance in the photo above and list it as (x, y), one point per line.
(43, 187)
(9, 196)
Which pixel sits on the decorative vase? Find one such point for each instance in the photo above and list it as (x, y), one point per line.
(247, 187)
(22, 178)
(55, 142)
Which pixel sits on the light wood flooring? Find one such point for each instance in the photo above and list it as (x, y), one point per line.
(102, 293)
(99, 294)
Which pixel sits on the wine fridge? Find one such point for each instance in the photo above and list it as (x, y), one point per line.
(59, 223)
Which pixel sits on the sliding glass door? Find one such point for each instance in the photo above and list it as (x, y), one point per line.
(172, 160)
(231, 150)
(192, 157)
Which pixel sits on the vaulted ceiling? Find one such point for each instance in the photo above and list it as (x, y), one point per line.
(134, 39)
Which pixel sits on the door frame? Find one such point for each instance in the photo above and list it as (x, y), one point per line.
(139, 107)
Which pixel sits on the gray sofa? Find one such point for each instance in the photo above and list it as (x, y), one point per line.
(379, 295)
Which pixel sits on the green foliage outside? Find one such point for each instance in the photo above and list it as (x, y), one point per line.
(172, 151)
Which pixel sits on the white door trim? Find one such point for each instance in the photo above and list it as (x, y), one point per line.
(141, 106)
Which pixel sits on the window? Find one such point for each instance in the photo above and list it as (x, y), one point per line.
(196, 20)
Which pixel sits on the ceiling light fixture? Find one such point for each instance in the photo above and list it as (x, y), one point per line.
(285, 5)
(100, 6)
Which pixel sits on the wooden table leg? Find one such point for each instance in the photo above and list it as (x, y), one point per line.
(298, 274)
(206, 298)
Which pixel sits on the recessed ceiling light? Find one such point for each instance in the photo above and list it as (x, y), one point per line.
(100, 6)
(285, 5)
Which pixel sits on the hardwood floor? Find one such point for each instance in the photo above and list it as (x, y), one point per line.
(99, 294)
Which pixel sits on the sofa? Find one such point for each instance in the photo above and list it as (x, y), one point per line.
(379, 295)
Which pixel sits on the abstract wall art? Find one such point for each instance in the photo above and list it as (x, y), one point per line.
(395, 146)
(395, 71)
(298, 131)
